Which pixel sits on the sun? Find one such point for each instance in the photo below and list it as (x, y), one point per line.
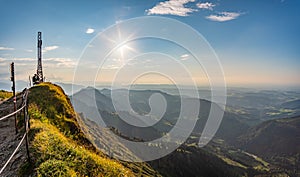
(125, 49)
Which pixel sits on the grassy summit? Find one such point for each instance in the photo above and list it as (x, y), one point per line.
(58, 146)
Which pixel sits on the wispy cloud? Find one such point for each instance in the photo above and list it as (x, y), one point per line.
(29, 50)
(18, 61)
(59, 62)
(49, 48)
(224, 16)
(2, 60)
(206, 5)
(172, 7)
(27, 66)
(49, 62)
(6, 48)
(111, 66)
(118, 21)
(90, 31)
(24, 59)
(184, 57)
(54, 77)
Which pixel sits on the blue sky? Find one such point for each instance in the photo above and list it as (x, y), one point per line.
(257, 41)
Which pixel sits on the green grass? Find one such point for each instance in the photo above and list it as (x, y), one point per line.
(57, 145)
(281, 111)
(56, 106)
(57, 155)
(5, 95)
(232, 162)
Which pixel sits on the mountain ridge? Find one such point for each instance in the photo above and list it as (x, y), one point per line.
(277, 141)
(58, 145)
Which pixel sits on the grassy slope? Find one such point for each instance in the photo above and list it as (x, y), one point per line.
(5, 95)
(58, 146)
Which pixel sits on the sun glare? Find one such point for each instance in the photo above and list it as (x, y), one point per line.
(124, 50)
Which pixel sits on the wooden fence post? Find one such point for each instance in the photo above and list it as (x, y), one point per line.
(12, 78)
(26, 121)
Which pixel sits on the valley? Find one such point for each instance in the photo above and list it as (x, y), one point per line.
(241, 144)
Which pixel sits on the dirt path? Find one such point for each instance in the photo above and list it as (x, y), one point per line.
(9, 141)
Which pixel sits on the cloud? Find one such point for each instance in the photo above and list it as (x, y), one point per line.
(6, 48)
(172, 7)
(49, 48)
(24, 59)
(27, 66)
(59, 62)
(18, 61)
(224, 16)
(7, 61)
(206, 5)
(54, 77)
(118, 21)
(184, 57)
(47, 62)
(111, 66)
(29, 50)
(3, 62)
(90, 31)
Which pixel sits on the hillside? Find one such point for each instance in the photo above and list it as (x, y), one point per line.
(215, 159)
(257, 106)
(4, 95)
(230, 128)
(277, 141)
(295, 104)
(58, 146)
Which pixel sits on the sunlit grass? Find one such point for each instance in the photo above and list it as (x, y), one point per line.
(281, 111)
(58, 155)
(58, 146)
(232, 162)
(5, 95)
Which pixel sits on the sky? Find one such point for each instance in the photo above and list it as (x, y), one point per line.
(257, 42)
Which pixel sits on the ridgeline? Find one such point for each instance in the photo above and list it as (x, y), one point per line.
(58, 147)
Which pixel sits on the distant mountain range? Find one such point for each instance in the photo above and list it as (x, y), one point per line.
(230, 128)
(244, 137)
